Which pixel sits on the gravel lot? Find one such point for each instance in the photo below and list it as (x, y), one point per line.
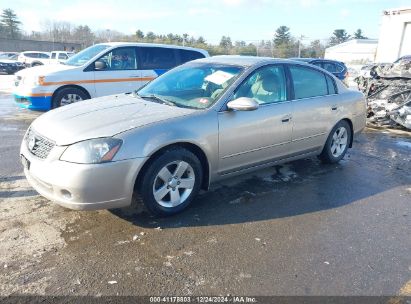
(299, 229)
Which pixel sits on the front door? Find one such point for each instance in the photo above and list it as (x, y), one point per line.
(120, 74)
(250, 138)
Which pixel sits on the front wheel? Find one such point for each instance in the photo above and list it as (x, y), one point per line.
(67, 96)
(171, 182)
(337, 143)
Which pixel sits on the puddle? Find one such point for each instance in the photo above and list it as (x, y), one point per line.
(405, 144)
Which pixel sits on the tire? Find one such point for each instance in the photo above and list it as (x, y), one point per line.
(36, 64)
(337, 143)
(164, 177)
(67, 96)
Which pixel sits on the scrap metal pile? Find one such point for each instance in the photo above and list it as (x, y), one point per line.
(387, 88)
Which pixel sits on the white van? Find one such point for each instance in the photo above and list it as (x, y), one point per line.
(102, 69)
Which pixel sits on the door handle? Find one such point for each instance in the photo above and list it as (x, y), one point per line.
(286, 118)
(334, 108)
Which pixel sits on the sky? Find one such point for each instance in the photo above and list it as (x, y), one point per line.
(248, 20)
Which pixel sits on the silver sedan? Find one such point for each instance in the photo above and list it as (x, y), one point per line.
(201, 122)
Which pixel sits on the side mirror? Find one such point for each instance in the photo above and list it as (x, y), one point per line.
(100, 65)
(243, 104)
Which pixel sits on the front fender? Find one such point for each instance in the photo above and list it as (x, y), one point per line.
(200, 129)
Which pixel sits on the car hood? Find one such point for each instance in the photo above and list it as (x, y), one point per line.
(44, 70)
(7, 61)
(102, 117)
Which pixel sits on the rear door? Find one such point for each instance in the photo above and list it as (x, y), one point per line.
(314, 108)
(120, 75)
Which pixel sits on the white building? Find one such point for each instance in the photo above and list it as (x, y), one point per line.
(395, 35)
(358, 51)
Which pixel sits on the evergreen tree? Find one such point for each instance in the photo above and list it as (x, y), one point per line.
(339, 36)
(10, 24)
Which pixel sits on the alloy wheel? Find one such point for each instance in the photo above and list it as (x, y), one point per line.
(339, 142)
(173, 184)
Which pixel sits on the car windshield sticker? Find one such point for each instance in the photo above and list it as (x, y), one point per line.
(203, 100)
(219, 77)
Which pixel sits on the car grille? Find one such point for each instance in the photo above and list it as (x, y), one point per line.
(38, 145)
(17, 80)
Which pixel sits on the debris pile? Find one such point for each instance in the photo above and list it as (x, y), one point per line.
(388, 93)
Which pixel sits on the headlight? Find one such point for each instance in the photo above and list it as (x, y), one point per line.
(93, 151)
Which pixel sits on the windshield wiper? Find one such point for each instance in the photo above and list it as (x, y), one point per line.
(157, 98)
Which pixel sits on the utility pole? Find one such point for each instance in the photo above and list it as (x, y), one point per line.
(299, 45)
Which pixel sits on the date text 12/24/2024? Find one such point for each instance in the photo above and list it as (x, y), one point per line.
(203, 299)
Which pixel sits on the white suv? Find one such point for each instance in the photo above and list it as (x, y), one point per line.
(100, 70)
(31, 59)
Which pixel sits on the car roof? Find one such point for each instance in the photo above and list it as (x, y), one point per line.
(112, 44)
(35, 52)
(305, 59)
(240, 60)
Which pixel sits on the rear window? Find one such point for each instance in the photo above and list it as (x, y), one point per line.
(157, 58)
(330, 67)
(186, 55)
(308, 82)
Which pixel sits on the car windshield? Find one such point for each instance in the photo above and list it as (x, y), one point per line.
(193, 85)
(5, 56)
(86, 54)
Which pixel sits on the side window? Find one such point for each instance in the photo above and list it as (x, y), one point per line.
(44, 56)
(31, 55)
(63, 56)
(330, 67)
(120, 59)
(53, 55)
(339, 68)
(317, 63)
(266, 85)
(157, 58)
(308, 82)
(331, 85)
(186, 55)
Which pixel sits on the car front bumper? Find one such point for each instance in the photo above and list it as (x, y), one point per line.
(38, 103)
(8, 69)
(82, 186)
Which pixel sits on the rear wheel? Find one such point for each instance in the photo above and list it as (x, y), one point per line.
(67, 96)
(337, 143)
(36, 64)
(171, 182)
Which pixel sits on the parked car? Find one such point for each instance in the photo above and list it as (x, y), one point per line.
(201, 122)
(59, 56)
(102, 69)
(32, 59)
(337, 68)
(9, 55)
(9, 65)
